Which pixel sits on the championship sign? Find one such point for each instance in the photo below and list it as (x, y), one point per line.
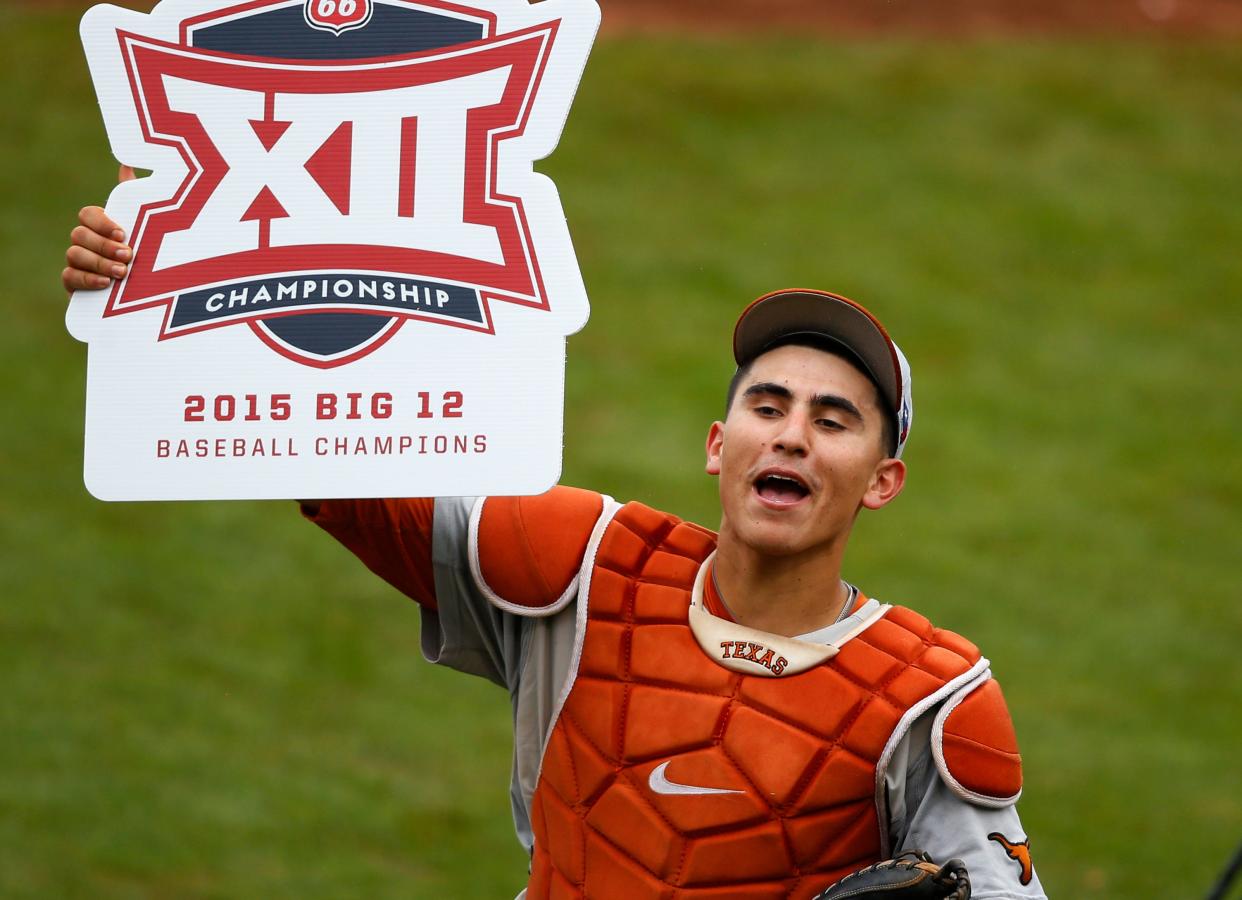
(348, 278)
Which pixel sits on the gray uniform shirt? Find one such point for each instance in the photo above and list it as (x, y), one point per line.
(531, 657)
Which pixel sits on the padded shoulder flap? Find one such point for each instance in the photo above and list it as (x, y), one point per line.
(975, 748)
(525, 552)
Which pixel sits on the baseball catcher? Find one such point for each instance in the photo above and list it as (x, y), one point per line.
(716, 715)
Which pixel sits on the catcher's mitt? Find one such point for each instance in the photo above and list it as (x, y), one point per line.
(911, 876)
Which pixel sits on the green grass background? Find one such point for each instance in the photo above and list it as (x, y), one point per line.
(216, 701)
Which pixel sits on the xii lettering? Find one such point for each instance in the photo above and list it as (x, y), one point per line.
(366, 175)
(386, 166)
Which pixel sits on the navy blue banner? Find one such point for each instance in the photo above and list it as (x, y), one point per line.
(343, 290)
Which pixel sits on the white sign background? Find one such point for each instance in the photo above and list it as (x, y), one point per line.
(435, 411)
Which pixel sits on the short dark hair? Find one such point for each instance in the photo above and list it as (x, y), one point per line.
(889, 421)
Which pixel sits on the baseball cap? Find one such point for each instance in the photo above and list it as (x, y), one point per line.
(776, 317)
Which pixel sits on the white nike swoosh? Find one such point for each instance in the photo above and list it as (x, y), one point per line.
(661, 785)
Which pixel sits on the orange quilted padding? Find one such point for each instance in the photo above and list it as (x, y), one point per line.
(534, 569)
(781, 772)
(980, 747)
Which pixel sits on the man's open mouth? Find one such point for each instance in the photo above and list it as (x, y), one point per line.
(781, 488)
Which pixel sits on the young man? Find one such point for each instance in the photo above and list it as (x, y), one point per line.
(709, 715)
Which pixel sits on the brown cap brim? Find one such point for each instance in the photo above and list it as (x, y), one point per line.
(780, 315)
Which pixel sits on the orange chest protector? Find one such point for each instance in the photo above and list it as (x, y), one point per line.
(667, 774)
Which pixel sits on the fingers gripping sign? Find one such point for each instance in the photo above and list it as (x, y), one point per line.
(97, 251)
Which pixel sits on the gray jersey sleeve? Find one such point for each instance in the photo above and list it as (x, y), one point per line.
(466, 632)
(924, 814)
(530, 657)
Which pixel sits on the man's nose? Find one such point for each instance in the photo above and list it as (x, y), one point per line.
(792, 437)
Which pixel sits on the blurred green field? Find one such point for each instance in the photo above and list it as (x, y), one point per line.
(215, 701)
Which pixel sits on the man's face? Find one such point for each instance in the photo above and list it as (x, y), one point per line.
(800, 452)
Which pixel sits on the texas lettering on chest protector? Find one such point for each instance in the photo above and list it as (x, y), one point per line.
(370, 159)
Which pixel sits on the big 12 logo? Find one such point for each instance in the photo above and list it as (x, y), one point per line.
(325, 172)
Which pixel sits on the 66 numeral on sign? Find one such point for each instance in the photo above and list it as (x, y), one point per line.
(225, 408)
(326, 8)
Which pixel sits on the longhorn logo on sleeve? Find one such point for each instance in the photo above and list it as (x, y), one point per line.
(331, 197)
(1019, 852)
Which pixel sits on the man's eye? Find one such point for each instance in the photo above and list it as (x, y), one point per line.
(832, 424)
(767, 410)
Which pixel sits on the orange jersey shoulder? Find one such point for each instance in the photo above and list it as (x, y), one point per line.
(526, 552)
(975, 747)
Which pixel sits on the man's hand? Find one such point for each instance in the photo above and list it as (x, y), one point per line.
(97, 253)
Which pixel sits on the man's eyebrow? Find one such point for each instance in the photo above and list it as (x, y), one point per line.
(837, 402)
(833, 401)
(768, 387)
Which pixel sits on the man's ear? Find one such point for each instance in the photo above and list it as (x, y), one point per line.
(715, 441)
(886, 483)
